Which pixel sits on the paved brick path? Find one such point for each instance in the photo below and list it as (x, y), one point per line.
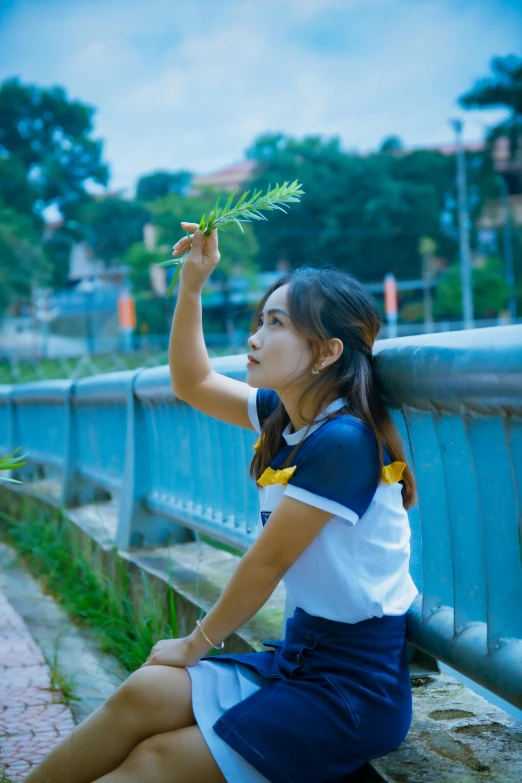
(33, 718)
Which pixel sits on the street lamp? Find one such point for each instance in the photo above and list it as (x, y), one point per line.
(508, 247)
(465, 254)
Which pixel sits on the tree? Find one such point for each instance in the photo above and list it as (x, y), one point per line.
(50, 137)
(363, 214)
(22, 260)
(391, 144)
(490, 291)
(503, 89)
(15, 188)
(112, 224)
(162, 183)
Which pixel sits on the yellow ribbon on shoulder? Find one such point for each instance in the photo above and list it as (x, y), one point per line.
(257, 444)
(393, 473)
(271, 476)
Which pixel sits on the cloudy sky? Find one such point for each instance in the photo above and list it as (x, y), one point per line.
(190, 83)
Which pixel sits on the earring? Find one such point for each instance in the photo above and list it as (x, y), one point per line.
(315, 372)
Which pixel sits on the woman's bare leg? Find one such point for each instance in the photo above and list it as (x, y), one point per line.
(174, 757)
(151, 701)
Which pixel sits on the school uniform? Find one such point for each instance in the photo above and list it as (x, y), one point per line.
(335, 692)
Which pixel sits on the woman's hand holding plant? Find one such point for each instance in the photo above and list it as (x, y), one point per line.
(202, 258)
(202, 245)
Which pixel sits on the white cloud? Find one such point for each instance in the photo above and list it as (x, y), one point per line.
(190, 84)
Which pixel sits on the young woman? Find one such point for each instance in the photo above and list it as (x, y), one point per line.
(334, 489)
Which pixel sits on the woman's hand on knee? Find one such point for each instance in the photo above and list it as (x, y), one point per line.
(176, 652)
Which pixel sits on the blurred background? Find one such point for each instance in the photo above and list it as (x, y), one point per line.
(402, 119)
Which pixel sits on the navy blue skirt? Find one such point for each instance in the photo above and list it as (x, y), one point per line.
(338, 695)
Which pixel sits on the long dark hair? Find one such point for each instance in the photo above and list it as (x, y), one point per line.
(323, 303)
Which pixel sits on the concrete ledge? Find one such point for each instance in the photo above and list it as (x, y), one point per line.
(456, 736)
(197, 572)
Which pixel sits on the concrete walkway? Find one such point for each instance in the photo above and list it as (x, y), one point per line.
(33, 715)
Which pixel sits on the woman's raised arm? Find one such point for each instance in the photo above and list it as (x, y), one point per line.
(193, 379)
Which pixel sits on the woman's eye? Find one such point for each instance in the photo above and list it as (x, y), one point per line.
(272, 319)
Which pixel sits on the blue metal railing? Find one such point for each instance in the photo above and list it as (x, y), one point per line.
(457, 401)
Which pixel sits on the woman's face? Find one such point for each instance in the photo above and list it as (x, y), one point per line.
(284, 356)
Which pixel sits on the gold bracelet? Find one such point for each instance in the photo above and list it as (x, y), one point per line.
(220, 647)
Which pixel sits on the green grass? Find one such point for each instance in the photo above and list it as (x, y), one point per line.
(62, 685)
(78, 367)
(26, 370)
(126, 630)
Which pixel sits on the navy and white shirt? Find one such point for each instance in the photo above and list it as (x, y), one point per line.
(358, 565)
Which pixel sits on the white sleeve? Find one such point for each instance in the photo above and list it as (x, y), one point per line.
(325, 504)
(252, 409)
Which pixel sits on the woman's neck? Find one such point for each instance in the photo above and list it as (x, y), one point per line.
(309, 410)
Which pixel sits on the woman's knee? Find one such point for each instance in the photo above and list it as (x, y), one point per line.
(160, 692)
(152, 755)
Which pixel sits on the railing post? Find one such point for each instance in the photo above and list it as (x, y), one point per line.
(8, 439)
(28, 471)
(137, 526)
(75, 490)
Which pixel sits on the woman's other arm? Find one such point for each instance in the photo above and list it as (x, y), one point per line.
(292, 526)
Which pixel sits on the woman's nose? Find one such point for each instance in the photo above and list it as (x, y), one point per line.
(252, 342)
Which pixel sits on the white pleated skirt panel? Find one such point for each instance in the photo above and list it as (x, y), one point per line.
(216, 687)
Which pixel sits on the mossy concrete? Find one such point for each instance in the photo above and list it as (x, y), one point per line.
(196, 571)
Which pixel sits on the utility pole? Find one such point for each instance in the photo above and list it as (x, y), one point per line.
(465, 254)
(508, 248)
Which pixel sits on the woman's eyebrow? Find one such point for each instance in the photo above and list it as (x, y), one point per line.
(276, 310)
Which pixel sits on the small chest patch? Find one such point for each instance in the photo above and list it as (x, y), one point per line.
(264, 517)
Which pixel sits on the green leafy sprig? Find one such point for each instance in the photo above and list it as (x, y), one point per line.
(11, 463)
(244, 211)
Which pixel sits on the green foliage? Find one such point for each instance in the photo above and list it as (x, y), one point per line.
(391, 144)
(9, 462)
(412, 312)
(50, 136)
(363, 214)
(139, 260)
(126, 632)
(162, 183)
(58, 250)
(112, 224)
(22, 259)
(62, 685)
(248, 208)
(47, 154)
(501, 90)
(490, 291)
(15, 189)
